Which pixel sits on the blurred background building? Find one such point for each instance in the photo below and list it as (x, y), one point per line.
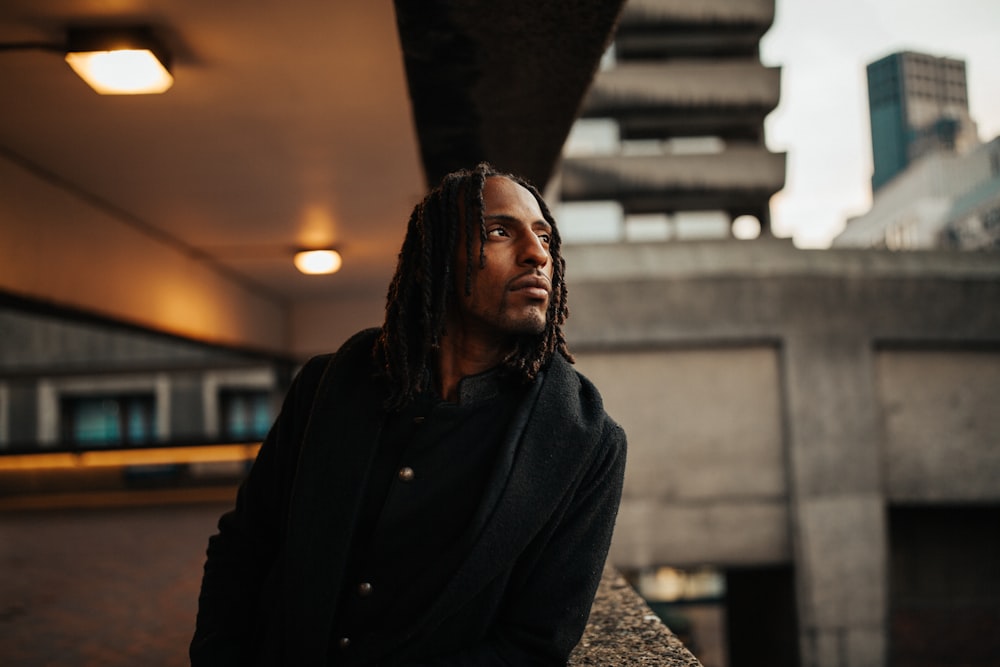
(670, 145)
(814, 460)
(918, 104)
(935, 184)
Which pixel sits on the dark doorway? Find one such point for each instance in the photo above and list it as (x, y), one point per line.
(761, 617)
(944, 586)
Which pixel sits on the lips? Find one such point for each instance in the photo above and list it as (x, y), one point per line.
(532, 285)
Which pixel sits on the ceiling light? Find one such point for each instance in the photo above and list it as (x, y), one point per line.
(318, 262)
(119, 61)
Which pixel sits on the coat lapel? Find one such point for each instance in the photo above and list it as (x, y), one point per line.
(548, 446)
(337, 451)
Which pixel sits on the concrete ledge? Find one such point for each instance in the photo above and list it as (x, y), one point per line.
(764, 258)
(623, 630)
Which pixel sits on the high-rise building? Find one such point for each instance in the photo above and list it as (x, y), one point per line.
(671, 140)
(918, 104)
(935, 184)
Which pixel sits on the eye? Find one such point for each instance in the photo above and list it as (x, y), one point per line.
(545, 237)
(497, 231)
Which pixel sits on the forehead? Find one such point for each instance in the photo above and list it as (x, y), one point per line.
(502, 196)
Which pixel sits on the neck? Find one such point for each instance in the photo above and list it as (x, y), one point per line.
(462, 354)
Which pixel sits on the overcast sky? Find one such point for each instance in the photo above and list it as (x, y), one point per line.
(822, 47)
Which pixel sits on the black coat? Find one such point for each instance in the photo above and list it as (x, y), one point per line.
(522, 594)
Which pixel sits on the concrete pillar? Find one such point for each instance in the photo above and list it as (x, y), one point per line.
(838, 523)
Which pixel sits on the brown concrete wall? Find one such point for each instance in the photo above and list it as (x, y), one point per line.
(942, 424)
(705, 479)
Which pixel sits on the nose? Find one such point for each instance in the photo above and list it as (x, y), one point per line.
(533, 252)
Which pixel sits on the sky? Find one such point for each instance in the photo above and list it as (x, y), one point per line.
(821, 123)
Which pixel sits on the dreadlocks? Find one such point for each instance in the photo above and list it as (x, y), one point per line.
(423, 286)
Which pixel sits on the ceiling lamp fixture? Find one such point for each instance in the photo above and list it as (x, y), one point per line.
(318, 262)
(119, 61)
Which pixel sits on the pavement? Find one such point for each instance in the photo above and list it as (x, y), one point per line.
(102, 586)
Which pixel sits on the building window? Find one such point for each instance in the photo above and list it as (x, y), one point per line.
(4, 415)
(245, 415)
(122, 419)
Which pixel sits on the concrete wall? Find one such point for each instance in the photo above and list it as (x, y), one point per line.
(778, 401)
(942, 424)
(45, 357)
(33, 340)
(705, 479)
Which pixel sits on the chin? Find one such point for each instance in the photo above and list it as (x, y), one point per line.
(525, 323)
(532, 327)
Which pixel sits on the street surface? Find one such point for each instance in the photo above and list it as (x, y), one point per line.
(101, 587)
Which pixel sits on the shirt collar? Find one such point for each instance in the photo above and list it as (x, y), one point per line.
(480, 387)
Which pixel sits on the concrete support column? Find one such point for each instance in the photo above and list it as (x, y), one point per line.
(838, 523)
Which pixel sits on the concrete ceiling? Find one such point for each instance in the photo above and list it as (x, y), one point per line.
(289, 124)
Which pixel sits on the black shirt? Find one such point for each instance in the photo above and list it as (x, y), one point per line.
(433, 463)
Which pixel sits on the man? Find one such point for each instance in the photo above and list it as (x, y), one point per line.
(441, 491)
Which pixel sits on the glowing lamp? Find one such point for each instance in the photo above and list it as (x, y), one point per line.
(318, 262)
(119, 61)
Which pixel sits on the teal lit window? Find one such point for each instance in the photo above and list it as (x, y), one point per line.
(246, 415)
(91, 421)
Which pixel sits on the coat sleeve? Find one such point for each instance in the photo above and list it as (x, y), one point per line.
(548, 599)
(242, 553)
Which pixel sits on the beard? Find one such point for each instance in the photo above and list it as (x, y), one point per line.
(521, 320)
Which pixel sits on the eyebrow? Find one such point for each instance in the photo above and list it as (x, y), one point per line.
(501, 217)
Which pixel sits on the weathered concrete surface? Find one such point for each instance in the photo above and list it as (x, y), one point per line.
(705, 478)
(940, 407)
(622, 630)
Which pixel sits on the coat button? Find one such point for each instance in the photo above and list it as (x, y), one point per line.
(344, 642)
(364, 589)
(406, 474)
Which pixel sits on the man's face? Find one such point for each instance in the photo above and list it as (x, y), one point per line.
(511, 292)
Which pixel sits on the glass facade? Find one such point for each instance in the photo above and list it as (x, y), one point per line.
(90, 421)
(246, 415)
